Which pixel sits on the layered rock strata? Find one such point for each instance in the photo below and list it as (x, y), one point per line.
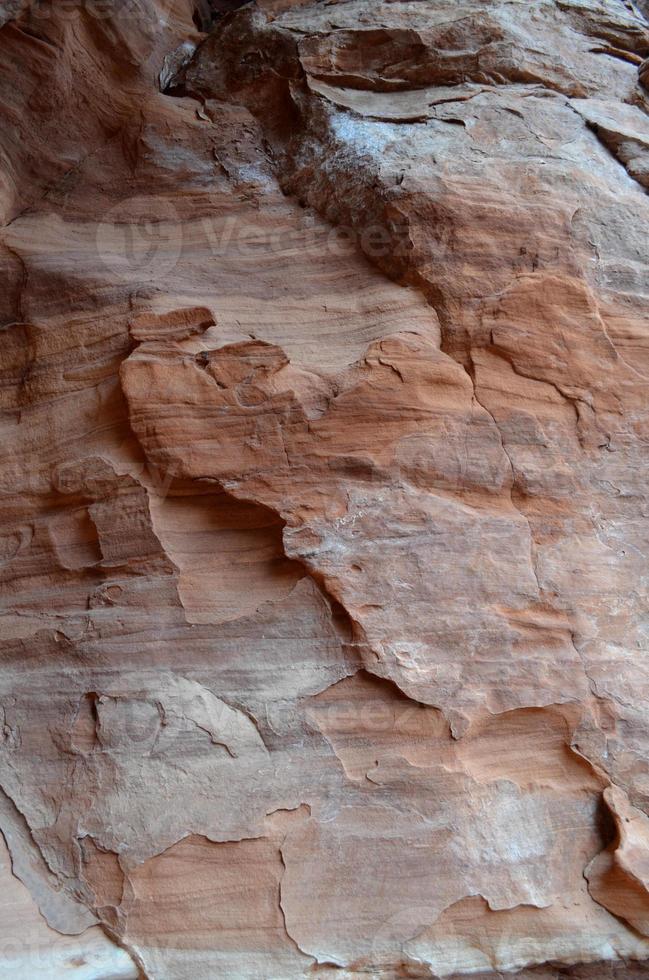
(323, 524)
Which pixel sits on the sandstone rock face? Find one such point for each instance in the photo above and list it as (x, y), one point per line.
(324, 523)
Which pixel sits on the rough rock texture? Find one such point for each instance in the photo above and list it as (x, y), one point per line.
(323, 515)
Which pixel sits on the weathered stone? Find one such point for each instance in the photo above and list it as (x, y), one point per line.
(324, 384)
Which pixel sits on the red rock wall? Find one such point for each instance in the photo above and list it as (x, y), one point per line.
(323, 514)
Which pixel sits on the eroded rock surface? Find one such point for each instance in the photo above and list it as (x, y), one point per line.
(324, 514)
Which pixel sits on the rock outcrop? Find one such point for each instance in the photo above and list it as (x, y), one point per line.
(324, 521)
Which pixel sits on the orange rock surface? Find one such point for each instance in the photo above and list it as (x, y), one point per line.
(324, 522)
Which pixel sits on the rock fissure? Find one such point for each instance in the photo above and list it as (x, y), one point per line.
(327, 630)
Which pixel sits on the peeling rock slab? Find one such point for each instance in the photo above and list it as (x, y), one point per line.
(29, 948)
(324, 400)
